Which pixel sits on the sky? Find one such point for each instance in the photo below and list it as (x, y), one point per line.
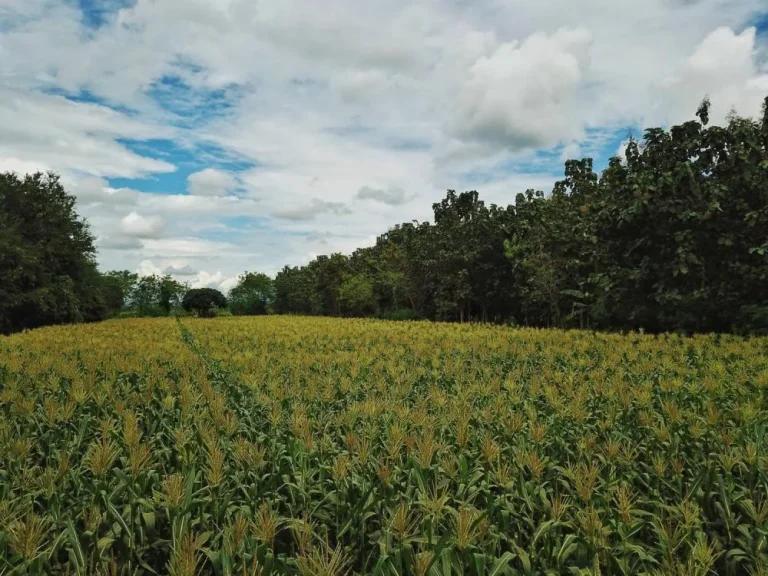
(203, 138)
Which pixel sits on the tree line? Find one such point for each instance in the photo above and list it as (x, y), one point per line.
(671, 237)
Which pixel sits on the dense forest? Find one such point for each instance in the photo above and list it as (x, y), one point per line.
(671, 237)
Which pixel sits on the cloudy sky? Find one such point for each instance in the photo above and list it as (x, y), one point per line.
(206, 137)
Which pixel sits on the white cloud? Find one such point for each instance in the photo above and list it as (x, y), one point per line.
(218, 281)
(92, 190)
(210, 182)
(186, 247)
(134, 224)
(524, 94)
(11, 164)
(358, 85)
(572, 150)
(148, 268)
(723, 66)
(336, 104)
(58, 134)
(194, 278)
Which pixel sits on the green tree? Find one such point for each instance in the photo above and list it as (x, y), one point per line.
(203, 301)
(679, 228)
(146, 296)
(170, 292)
(253, 294)
(47, 256)
(671, 237)
(118, 287)
(356, 295)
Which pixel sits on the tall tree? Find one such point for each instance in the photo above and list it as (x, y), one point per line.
(47, 256)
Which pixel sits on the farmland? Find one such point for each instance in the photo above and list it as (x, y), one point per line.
(282, 445)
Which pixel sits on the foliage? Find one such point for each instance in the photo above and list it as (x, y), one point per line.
(356, 295)
(672, 237)
(319, 446)
(46, 256)
(203, 301)
(156, 295)
(253, 294)
(117, 288)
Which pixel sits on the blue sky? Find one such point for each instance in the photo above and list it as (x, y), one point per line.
(209, 137)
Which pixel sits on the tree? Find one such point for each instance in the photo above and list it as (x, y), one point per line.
(47, 256)
(680, 225)
(146, 296)
(356, 295)
(253, 294)
(203, 301)
(118, 288)
(328, 272)
(171, 293)
(155, 295)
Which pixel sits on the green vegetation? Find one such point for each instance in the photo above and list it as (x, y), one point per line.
(308, 446)
(673, 237)
(48, 272)
(203, 301)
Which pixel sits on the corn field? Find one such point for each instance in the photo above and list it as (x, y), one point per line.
(315, 446)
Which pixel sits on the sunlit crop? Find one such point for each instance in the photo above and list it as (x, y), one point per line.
(279, 445)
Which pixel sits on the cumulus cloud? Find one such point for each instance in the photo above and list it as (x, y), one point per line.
(148, 268)
(725, 67)
(134, 224)
(394, 196)
(570, 151)
(524, 94)
(92, 190)
(310, 211)
(217, 281)
(319, 98)
(210, 182)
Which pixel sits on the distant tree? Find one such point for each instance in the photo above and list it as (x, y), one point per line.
(47, 257)
(203, 301)
(155, 295)
(171, 293)
(146, 296)
(252, 295)
(118, 288)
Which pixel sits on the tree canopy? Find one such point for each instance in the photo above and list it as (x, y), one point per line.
(48, 271)
(674, 236)
(203, 301)
(252, 295)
